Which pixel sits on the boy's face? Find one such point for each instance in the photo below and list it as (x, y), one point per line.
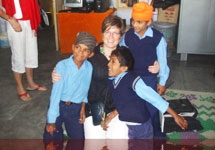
(140, 26)
(81, 52)
(114, 68)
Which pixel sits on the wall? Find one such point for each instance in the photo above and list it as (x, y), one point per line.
(46, 5)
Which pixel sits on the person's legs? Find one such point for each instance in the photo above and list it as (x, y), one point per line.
(71, 116)
(29, 76)
(90, 130)
(31, 84)
(20, 88)
(75, 145)
(94, 135)
(17, 44)
(31, 57)
(143, 131)
(117, 129)
(154, 112)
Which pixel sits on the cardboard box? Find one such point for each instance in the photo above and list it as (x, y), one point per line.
(169, 15)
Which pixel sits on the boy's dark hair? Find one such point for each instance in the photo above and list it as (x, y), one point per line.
(124, 56)
(113, 21)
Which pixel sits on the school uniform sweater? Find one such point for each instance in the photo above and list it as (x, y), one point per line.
(130, 94)
(143, 50)
(130, 106)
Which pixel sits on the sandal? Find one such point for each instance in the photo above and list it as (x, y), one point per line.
(25, 96)
(38, 88)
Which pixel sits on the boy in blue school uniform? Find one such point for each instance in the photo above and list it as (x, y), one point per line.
(69, 95)
(130, 95)
(147, 45)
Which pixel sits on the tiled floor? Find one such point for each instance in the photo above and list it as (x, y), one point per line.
(26, 120)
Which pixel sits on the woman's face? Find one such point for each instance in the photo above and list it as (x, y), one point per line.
(111, 37)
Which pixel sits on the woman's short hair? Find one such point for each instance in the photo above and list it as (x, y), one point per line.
(113, 20)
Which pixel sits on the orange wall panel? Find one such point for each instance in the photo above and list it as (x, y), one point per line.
(69, 24)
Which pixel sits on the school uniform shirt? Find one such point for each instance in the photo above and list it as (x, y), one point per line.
(73, 86)
(145, 93)
(161, 51)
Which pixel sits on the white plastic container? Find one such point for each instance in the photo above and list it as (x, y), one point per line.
(169, 32)
(155, 15)
(4, 43)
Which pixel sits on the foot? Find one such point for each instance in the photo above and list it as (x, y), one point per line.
(37, 88)
(24, 96)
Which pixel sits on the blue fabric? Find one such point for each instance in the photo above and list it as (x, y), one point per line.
(143, 131)
(129, 106)
(153, 110)
(161, 52)
(69, 115)
(73, 86)
(143, 51)
(154, 101)
(145, 92)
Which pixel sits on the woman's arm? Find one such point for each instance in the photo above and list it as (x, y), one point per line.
(13, 22)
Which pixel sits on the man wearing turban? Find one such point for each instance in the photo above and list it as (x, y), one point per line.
(148, 45)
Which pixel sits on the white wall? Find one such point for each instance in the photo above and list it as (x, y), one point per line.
(124, 13)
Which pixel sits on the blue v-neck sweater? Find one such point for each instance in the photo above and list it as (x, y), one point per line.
(130, 106)
(143, 50)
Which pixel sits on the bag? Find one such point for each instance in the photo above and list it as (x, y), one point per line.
(185, 109)
(97, 110)
(44, 18)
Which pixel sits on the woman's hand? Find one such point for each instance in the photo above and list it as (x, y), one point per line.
(15, 24)
(155, 68)
(55, 76)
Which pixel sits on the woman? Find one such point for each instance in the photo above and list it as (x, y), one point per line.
(23, 18)
(112, 29)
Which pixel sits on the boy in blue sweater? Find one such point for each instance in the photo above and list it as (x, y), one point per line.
(130, 95)
(69, 95)
(147, 45)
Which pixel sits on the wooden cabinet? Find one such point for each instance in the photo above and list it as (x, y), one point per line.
(70, 23)
(196, 28)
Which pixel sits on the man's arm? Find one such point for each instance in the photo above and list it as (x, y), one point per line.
(122, 41)
(164, 69)
(178, 119)
(57, 88)
(149, 95)
(13, 22)
(107, 120)
(82, 113)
